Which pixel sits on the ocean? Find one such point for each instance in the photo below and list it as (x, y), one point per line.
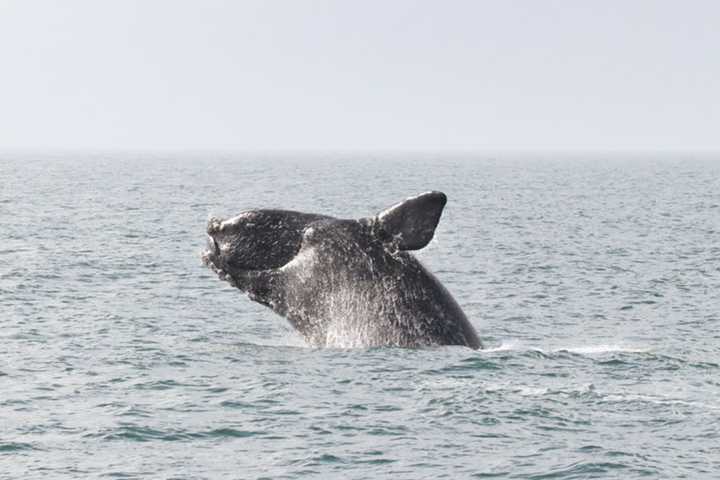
(593, 281)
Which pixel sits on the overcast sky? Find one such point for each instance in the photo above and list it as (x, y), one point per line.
(389, 74)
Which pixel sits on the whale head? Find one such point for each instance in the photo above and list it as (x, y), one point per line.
(263, 240)
(255, 239)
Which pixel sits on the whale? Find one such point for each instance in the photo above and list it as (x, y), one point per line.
(343, 283)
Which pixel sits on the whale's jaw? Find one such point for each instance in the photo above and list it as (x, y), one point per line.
(212, 259)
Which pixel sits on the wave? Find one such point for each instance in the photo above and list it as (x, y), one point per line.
(590, 392)
(593, 469)
(585, 389)
(15, 446)
(518, 346)
(600, 349)
(139, 433)
(656, 400)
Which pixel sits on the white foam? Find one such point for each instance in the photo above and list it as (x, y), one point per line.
(597, 349)
(533, 391)
(505, 346)
(517, 345)
(658, 400)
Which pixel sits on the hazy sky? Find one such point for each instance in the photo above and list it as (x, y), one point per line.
(363, 74)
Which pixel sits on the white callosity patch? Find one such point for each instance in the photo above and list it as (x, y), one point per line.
(242, 218)
(214, 223)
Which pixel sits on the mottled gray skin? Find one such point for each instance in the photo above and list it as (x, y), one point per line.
(343, 283)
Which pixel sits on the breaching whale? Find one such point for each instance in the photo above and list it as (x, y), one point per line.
(343, 283)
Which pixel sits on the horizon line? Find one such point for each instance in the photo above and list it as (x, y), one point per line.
(351, 151)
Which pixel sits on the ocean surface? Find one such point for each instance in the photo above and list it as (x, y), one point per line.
(593, 281)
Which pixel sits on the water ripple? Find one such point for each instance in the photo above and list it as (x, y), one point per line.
(593, 283)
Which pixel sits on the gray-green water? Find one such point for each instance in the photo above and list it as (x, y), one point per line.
(593, 282)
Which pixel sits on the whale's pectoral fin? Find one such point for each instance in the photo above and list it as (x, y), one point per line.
(411, 224)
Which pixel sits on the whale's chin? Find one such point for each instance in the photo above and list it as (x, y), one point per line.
(210, 254)
(210, 259)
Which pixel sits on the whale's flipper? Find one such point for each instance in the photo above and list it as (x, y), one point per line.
(412, 223)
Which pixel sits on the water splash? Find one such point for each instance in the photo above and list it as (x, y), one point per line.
(516, 345)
